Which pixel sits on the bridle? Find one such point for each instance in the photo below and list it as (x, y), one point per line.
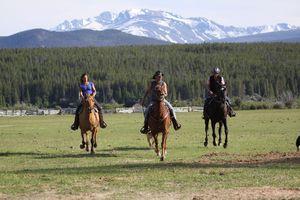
(90, 102)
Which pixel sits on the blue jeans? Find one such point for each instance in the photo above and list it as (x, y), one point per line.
(172, 112)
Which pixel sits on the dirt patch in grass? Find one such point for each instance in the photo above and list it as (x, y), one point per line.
(232, 194)
(265, 158)
(249, 193)
(52, 195)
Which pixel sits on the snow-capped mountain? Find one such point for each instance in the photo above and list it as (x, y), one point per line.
(166, 26)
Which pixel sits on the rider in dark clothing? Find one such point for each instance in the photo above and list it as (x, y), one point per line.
(214, 81)
(87, 88)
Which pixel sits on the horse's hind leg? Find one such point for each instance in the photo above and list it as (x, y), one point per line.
(206, 130)
(220, 133)
(213, 126)
(226, 133)
(150, 140)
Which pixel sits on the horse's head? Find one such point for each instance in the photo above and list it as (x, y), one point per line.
(221, 93)
(89, 102)
(159, 93)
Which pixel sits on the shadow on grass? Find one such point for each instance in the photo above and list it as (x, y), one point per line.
(128, 148)
(290, 163)
(45, 155)
(38, 155)
(86, 155)
(7, 154)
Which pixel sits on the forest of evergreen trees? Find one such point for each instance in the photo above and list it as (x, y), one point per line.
(50, 77)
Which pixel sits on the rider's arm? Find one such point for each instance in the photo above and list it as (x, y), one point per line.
(223, 81)
(94, 90)
(80, 94)
(208, 87)
(165, 89)
(146, 94)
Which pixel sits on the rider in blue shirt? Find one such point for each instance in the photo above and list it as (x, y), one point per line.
(87, 88)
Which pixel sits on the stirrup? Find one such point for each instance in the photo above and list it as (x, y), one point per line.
(103, 124)
(177, 127)
(74, 127)
(144, 130)
(233, 114)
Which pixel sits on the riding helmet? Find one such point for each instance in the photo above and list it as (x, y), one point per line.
(157, 73)
(216, 70)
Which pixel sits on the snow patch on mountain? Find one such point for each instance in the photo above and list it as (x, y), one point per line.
(166, 26)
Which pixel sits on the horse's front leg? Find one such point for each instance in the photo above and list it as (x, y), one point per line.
(226, 132)
(213, 126)
(206, 130)
(220, 133)
(83, 137)
(164, 145)
(93, 140)
(156, 144)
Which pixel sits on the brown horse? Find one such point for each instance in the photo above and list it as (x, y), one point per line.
(217, 112)
(159, 122)
(88, 121)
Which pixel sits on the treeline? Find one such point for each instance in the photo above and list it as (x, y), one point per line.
(50, 77)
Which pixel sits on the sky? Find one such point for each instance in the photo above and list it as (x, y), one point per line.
(20, 15)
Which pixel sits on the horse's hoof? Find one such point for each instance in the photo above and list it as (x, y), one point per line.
(225, 145)
(95, 145)
(82, 146)
(205, 143)
(219, 143)
(214, 143)
(92, 152)
(162, 158)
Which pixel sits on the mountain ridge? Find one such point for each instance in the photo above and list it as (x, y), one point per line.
(36, 38)
(290, 36)
(166, 26)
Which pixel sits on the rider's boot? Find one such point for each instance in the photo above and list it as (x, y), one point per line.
(100, 113)
(203, 114)
(176, 125)
(231, 113)
(101, 120)
(145, 129)
(76, 123)
(205, 108)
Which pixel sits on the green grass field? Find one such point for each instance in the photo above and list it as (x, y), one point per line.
(40, 157)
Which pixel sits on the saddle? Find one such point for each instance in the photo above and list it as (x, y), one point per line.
(95, 109)
(151, 110)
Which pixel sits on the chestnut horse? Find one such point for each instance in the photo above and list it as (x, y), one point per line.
(217, 112)
(159, 122)
(88, 121)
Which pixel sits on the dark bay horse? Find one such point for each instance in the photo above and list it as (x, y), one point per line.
(216, 111)
(160, 122)
(89, 121)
